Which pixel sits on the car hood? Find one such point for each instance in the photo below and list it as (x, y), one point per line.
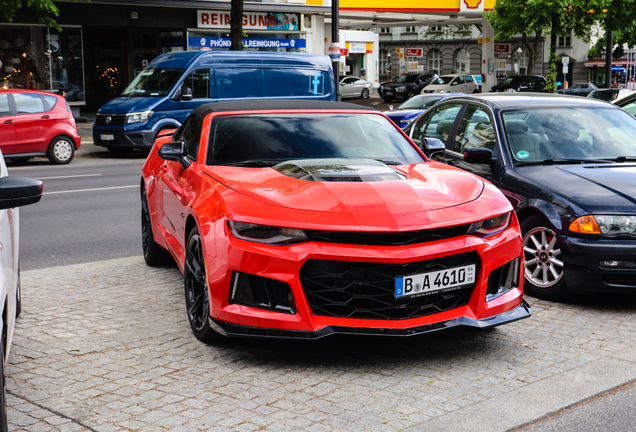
(404, 114)
(123, 105)
(596, 188)
(437, 86)
(405, 196)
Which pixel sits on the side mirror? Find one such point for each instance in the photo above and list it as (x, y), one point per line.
(186, 94)
(19, 191)
(175, 152)
(433, 146)
(478, 155)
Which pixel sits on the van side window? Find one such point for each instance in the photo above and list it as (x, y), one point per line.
(191, 136)
(199, 82)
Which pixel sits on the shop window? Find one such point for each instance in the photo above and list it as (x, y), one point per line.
(462, 61)
(199, 83)
(28, 103)
(4, 105)
(435, 61)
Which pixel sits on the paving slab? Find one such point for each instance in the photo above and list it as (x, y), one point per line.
(106, 346)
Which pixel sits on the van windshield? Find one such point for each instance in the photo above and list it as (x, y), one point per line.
(153, 82)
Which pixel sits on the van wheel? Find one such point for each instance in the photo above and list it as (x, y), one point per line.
(61, 150)
(119, 151)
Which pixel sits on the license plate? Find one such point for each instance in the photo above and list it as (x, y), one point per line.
(435, 281)
(107, 137)
(389, 92)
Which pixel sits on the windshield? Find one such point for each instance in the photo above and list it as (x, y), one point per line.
(443, 80)
(537, 135)
(419, 102)
(512, 80)
(405, 79)
(153, 82)
(281, 137)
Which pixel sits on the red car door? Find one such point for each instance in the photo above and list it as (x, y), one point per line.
(31, 123)
(7, 128)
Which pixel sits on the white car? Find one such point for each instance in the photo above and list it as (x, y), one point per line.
(453, 83)
(14, 192)
(354, 87)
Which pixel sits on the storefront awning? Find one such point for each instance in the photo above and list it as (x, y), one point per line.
(601, 63)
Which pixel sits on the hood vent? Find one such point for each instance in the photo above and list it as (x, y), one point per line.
(339, 170)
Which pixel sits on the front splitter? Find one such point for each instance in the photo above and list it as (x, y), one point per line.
(235, 330)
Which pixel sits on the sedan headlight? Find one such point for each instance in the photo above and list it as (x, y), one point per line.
(490, 226)
(604, 224)
(401, 88)
(138, 117)
(266, 234)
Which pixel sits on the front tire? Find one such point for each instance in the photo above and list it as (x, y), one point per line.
(543, 263)
(154, 255)
(196, 290)
(365, 94)
(61, 150)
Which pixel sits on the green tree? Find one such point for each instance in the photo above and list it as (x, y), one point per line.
(40, 11)
(553, 17)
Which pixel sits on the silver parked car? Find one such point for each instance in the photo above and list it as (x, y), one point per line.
(353, 87)
(14, 192)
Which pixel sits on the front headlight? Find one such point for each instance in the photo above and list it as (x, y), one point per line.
(490, 226)
(604, 224)
(401, 88)
(138, 117)
(266, 234)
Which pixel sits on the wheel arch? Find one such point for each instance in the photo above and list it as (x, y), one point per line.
(541, 208)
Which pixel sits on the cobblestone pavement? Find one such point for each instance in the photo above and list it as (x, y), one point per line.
(106, 346)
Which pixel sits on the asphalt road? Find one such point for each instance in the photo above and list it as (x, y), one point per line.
(89, 211)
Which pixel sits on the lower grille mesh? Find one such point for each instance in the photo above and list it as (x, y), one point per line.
(366, 290)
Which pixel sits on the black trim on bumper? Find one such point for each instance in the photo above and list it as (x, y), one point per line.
(236, 330)
(618, 246)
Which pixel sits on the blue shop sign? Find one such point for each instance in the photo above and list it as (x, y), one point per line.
(216, 42)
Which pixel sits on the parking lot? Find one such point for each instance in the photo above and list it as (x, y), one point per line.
(106, 346)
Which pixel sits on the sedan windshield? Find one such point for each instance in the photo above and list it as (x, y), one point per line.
(551, 135)
(420, 102)
(153, 82)
(264, 140)
(443, 80)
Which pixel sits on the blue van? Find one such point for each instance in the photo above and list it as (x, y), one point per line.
(164, 94)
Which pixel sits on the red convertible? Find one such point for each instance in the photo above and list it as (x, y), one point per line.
(299, 219)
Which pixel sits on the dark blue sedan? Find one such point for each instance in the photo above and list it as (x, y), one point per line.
(568, 166)
(406, 113)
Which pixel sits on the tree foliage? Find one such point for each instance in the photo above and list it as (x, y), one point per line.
(538, 17)
(39, 11)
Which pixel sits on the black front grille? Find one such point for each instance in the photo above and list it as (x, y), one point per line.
(387, 239)
(366, 290)
(625, 280)
(115, 119)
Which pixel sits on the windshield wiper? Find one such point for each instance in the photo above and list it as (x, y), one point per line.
(389, 162)
(624, 159)
(557, 161)
(255, 163)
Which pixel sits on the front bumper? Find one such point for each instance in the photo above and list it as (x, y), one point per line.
(583, 272)
(137, 139)
(384, 92)
(235, 330)
(317, 318)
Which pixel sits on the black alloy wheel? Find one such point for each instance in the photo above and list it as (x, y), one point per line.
(196, 290)
(543, 265)
(154, 255)
(365, 94)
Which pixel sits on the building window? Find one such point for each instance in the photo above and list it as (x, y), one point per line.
(435, 61)
(434, 29)
(410, 29)
(564, 41)
(385, 29)
(462, 61)
(384, 59)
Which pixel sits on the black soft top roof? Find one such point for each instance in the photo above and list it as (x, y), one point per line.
(275, 104)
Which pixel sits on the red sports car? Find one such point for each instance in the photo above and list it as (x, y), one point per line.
(300, 219)
(36, 124)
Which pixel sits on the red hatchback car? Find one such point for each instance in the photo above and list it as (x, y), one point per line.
(36, 124)
(300, 219)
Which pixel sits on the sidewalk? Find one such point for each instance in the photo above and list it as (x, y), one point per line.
(107, 346)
